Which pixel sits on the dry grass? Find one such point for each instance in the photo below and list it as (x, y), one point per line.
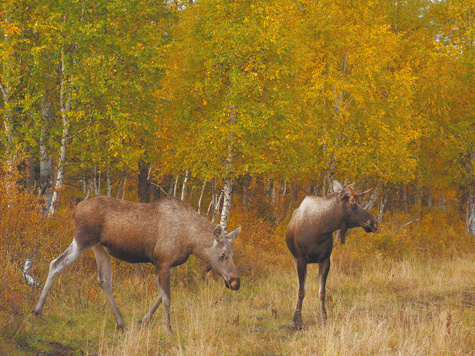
(404, 291)
(409, 307)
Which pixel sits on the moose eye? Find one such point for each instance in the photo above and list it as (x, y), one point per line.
(354, 206)
(222, 256)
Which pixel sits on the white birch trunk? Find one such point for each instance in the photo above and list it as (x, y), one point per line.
(119, 184)
(382, 205)
(65, 104)
(183, 189)
(84, 187)
(470, 218)
(46, 165)
(109, 183)
(374, 196)
(228, 181)
(201, 197)
(8, 129)
(227, 190)
(175, 186)
(470, 214)
(97, 181)
(217, 205)
(5, 88)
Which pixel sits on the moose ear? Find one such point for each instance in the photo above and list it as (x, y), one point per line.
(345, 195)
(218, 232)
(232, 235)
(337, 186)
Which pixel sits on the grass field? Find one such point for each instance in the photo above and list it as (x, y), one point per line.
(376, 306)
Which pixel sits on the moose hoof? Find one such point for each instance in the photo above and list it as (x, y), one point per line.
(144, 321)
(298, 321)
(122, 328)
(36, 313)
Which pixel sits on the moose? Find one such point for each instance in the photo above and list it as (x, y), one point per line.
(309, 235)
(164, 232)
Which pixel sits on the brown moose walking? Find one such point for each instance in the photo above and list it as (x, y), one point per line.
(165, 232)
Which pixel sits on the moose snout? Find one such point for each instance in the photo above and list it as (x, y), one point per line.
(371, 226)
(374, 225)
(233, 283)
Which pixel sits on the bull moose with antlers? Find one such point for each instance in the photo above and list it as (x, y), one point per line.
(309, 235)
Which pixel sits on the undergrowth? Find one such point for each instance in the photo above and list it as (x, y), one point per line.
(407, 289)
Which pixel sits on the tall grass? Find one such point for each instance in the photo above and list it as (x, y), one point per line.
(408, 307)
(404, 291)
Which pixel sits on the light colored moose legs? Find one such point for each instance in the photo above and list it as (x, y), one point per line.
(56, 267)
(104, 271)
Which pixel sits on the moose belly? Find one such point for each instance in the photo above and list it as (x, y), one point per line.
(317, 252)
(127, 255)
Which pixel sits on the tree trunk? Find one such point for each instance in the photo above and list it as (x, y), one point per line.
(217, 204)
(201, 197)
(109, 182)
(143, 186)
(406, 202)
(183, 189)
(227, 190)
(470, 214)
(246, 182)
(96, 179)
(382, 205)
(228, 181)
(46, 165)
(124, 186)
(65, 104)
(374, 196)
(6, 89)
(30, 174)
(175, 185)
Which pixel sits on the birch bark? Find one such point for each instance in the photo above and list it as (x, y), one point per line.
(228, 181)
(6, 88)
(470, 218)
(183, 189)
(46, 165)
(65, 105)
(201, 197)
(470, 213)
(374, 196)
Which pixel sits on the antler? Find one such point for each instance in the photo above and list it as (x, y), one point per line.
(356, 195)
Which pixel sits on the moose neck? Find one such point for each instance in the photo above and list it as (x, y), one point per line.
(201, 248)
(326, 211)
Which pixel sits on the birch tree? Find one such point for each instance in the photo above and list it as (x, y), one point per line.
(224, 114)
(65, 97)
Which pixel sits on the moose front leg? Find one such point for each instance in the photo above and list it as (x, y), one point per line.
(56, 267)
(302, 276)
(323, 269)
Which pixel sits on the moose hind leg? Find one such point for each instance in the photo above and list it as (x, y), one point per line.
(323, 269)
(302, 276)
(104, 274)
(155, 305)
(163, 275)
(56, 267)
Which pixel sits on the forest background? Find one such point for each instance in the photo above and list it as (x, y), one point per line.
(241, 107)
